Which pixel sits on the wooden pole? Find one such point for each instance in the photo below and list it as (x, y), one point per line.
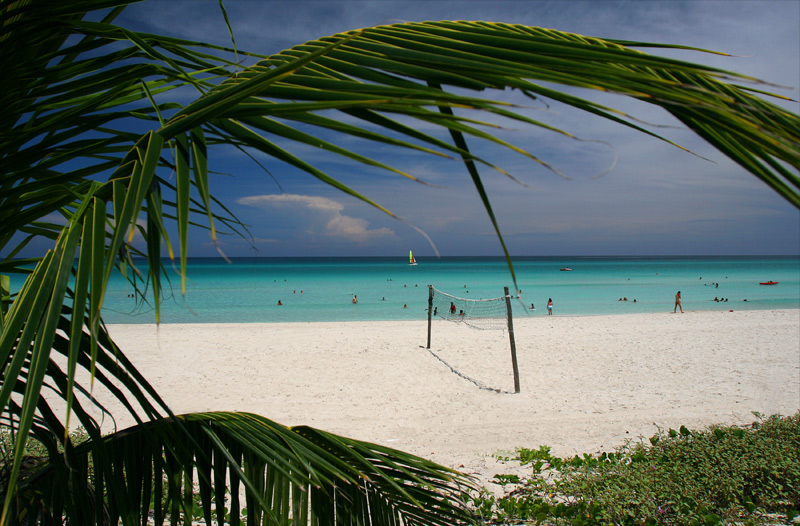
(430, 313)
(511, 340)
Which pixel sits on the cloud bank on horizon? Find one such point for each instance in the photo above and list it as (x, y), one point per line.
(657, 200)
(306, 213)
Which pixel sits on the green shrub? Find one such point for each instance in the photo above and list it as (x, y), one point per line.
(722, 475)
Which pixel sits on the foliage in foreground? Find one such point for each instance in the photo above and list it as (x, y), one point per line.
(747, 475)
(98, 150)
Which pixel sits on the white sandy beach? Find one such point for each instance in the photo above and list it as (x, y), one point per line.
(587, 383)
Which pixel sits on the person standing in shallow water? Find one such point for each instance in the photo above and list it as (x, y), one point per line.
(550, 306)
(678, 303)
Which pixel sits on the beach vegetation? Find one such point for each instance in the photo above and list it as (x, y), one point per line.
(106, 136)
(719, 475)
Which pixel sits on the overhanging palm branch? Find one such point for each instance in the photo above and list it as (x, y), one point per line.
(90, 132)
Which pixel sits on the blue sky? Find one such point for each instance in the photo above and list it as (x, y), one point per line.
(657, 200)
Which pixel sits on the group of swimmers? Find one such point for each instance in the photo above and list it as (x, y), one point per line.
(452, 310)
(354, 301)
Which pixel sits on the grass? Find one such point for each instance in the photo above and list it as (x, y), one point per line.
(721, 475)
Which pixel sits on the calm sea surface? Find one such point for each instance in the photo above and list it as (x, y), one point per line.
(320, 289)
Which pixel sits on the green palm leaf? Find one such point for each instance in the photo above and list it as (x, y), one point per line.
(90, 134)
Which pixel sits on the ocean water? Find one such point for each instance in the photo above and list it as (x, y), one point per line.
(247, 290)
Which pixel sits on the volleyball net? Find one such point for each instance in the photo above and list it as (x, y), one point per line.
(481, 314)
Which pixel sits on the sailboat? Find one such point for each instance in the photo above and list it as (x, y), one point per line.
(411, 260)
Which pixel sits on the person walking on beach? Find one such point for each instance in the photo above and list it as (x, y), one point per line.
(678, 303)
(550, 306)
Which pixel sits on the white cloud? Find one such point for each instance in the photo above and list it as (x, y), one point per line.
(323, 216)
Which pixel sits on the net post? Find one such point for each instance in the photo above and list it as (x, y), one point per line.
(511, 340)
(430, 311)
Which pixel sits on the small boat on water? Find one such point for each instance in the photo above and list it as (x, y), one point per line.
(768, 283)
(565, 269)
(411, 260)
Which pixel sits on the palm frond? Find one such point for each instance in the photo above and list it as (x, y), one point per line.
(91, 133)
(187, 464)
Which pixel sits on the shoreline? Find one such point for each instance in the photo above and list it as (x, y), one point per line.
(538, 316)
(588, 383)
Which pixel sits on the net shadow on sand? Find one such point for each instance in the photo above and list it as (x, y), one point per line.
(466, 377)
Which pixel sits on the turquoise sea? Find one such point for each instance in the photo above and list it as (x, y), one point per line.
(247, 290)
